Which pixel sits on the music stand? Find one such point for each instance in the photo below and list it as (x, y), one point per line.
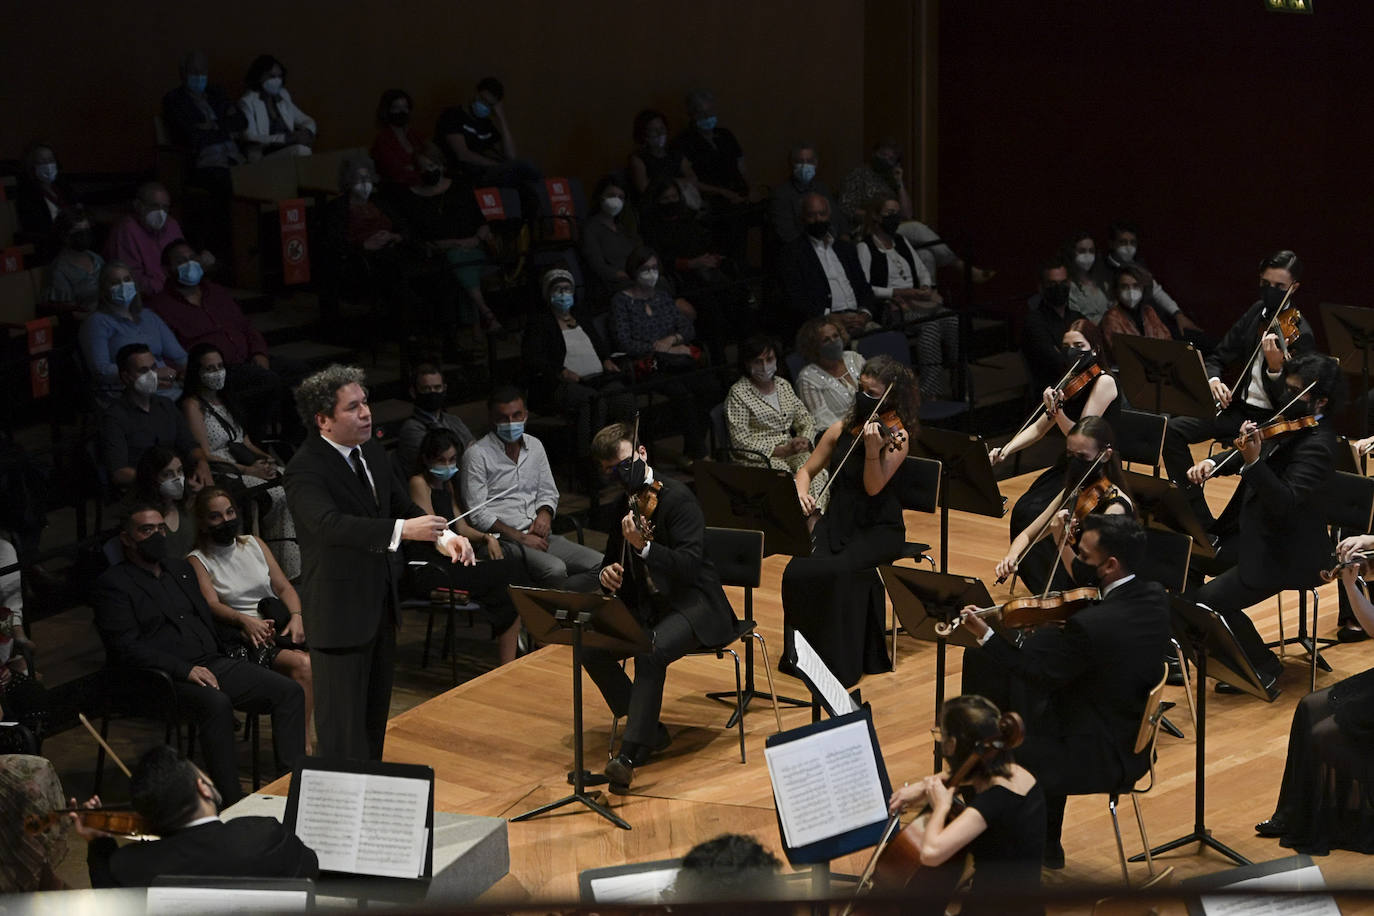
(966, 481)
(1168, 373)
(578, 619)
(754, 498)
(1159, 500)
(1350, 331)
(1205, 633)
(921, 599)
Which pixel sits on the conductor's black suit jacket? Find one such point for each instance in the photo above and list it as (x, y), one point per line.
(348, 577)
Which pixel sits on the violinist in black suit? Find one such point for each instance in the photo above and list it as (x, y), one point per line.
(670, 585)
(150, 614)
(351, 514)
(1090, 678)
(1274, 527)
(181, 806)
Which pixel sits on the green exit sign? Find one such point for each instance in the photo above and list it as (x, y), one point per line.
(1288, 6)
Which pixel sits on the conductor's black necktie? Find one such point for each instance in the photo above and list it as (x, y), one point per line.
(356, 457)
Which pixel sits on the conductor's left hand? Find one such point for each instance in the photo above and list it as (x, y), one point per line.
(457, 548)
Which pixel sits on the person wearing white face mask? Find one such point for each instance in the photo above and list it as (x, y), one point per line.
(160, 480)
(138, 420)
(768, 424)
(784, 201)
(41, 193)
(276, 127)
(1134, 313)
(121, 320)
(653, 157)
(1089, 280)
(139, 238)
(606, 240)
(1123, 248)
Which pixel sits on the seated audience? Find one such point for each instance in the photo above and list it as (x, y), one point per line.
(767, 422)
(512, 466)
(1134, 312)
(716, 157)
(829, 378)
(431, 484)
(160, 480)
(429, 394)
(203, 120)
(150, 614)
(606, 240)
(785, 200)
(881, 177)
(276, 127)
(693, 261)
(1047, 318)
(568, 366)
(1089, 280)
(729, 867)
(210, 406)
(898, 277)
(820, 274)
(74, 274)
(120, 320)
(394, 147)
(23, 698)
(476, 140)
(1123, 248)
(653, 158)
(247, 590)
(29, 785)
(40, 195)
(136, 421)
(181, 804)
(139, 239)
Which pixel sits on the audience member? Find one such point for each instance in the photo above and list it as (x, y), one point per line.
(606, 240)
(820, 274)
(881, 177)
(785, 200)
(22, 696)
(653, 158)
(150, 614)
(567, 365)
(767, 422)
(160, 480)
(210, 406)
(119, 321)
(931, 249)
(829, 378)
(900, 278)
(510, 468)
(247, 590)
(429, 394)
(181, 805)
(716, 157)
(29, 785)
(731, 866)
(694, 262)
(276, 127)
(40, 194)
(432, 488)
(477, 142)
(394, 147)
(136, 420)
(1124, 248)
(74, 275)
(1134, 312)
(139, 239)
(203, 120)
(1047, 318)
(1089, 280)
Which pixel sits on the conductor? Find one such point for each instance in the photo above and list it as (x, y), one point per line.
(351, 514)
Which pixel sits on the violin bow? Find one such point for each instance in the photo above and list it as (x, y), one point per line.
(101, 741)
(634, 448)
(1259, 345)
(1040, 408)
(1235, 451)
(857, 439)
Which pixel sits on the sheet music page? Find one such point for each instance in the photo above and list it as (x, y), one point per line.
(176, 901)
(329, 816)
(634, 887)
(393, 833)
(1298, 879)
(826, 784)
(836, 698)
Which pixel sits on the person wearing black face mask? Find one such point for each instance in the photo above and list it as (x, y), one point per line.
(1049, 316)
(1082, 688)
(1252, 355)
(429, 394)
(820, 274)
(393, 149)
(151, 614)
(1272, 533)
(669, 584)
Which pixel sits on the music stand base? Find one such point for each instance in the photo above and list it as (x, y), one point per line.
(1204, 838)
(728, 698)
(1308, 645)
(569, 799)
(588, 778)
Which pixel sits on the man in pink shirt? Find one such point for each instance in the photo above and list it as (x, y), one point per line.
(138, 239)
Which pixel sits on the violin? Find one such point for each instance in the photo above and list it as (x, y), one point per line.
(1076, 384)
(1286, 325)
(1358, 560)
(117, 821)
(891, 425)
(1089, 498)
(643, 505)
(1029, 612)
(1279, 428)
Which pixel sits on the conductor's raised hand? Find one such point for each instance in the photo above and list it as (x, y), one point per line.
(457, 548)
(423, 528)
(612, 576)
(1199, 472)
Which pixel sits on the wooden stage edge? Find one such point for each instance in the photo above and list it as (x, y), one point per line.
(501, 744)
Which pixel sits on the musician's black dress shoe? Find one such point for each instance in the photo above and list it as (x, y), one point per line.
(1271, 687)
(1351, 632)
(620, 769)
(1272, 828)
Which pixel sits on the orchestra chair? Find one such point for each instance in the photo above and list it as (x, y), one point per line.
(1145, 739)
(443, 599)
(918, 490)
(1167, 555)
(722, 449)
(1140, 437)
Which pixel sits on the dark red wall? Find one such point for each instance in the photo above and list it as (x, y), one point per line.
(1226, 131)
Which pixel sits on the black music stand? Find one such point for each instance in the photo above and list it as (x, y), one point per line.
(922, 599)
(1350, 332)
(579, 619)
(754, 498)
(1205, 633)
(1160, 501)
(966, 480)
(1166, 373)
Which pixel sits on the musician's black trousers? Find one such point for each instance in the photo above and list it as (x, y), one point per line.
(642, 699)
(1184, 431)
(1229, 597)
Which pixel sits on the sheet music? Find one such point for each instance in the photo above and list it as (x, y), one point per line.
(826, 784)
(1298, 879)
(837, 700)
(176, 901)
(634, 887)
(364, 824)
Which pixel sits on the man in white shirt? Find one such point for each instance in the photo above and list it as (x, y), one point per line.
(820, 274)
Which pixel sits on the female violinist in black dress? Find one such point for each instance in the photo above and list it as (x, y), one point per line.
(834, 597)
(1326, 799)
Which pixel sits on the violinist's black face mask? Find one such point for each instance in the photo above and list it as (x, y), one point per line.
(632, 472)
(1271, 296)
(864, 403)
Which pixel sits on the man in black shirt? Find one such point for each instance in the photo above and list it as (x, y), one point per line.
(1049, 317)
(718, 161)
(478, 145)
(141, 418)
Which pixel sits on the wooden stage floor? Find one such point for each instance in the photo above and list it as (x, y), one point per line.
(502, 744)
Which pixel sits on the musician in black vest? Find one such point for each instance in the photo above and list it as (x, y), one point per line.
(1082, 688)
(351, 515)
(1274, 527)
(1258, 391)
(669, 584)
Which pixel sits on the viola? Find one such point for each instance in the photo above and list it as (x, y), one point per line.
(118, 821)
(1029, 612)
(891, 425)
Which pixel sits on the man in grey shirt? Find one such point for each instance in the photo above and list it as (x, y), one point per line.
(508, 459)
(429, 393)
